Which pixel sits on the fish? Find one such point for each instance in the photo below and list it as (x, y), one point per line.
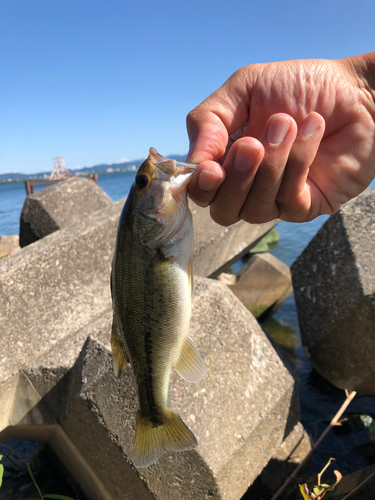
(151, 286)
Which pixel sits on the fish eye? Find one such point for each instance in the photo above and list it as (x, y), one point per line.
(142, 181)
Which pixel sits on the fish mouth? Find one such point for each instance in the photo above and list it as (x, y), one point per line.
(178, 173)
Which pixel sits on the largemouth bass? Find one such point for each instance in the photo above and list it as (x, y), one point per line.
(151, 286)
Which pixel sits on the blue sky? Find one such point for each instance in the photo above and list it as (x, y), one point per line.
(97, 81)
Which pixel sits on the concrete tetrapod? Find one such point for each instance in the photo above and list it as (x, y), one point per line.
(334, 286)
(59, 284)
(59, 206)
(240, 413)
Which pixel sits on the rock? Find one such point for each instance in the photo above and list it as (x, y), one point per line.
(54, 288)
(286, 458)
(58, 206)
(263, 284)
(218, 247)
(349, 483)
(9, 244)
(334, 286)
(227, 279)
(60, 284)
(56, 294)
(21, 404)
(24, 415)
(240, 413)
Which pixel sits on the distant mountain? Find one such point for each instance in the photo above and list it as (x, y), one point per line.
(96, 169)
(15, 177)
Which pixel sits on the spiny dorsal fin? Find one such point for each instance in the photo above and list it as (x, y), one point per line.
(119, 360)
(190, 365)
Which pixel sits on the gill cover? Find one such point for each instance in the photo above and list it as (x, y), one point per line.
(160, 198)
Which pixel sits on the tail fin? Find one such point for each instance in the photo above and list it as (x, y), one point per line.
(151, 440)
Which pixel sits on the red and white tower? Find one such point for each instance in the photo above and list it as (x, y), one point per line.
(59, 172)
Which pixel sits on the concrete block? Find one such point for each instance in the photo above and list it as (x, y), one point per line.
(24, 414)
(227, 279)
(286, 458)
(55, 287)
(359, 485)
(334, 286)
(59, 206)
(20, 404)
(240, 413)
(9, 244)
(60, 284)
(263, 284)
(351, 482)
(217, 247)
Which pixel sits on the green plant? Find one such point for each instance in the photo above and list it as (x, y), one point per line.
(1, 471)
(334, 421)
(28, 468)
(320, 490)
(266, 243)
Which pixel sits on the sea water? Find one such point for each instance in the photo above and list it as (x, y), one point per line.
(13, 195)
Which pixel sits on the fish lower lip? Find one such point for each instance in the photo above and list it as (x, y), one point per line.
(180, 182)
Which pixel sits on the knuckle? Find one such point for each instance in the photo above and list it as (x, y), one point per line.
(222, 218)
(199, 200)
(256, 215)
(264, 197)
(191, 117)
(292, 212)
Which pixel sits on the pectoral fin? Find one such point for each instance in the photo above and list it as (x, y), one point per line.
(119, 360)
(190, 365)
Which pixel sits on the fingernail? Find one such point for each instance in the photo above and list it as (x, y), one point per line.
(245, 156)
(208, 181)
(277, 130)
(310, 125)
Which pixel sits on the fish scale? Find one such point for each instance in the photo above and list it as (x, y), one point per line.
(151, 285)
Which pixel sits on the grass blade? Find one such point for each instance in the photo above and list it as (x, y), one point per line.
(334, 421)
(32, 477)
(58, 497)
(53, 496)
(1, 471)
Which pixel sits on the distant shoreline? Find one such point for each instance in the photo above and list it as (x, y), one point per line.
(100, 169)
(83, 175)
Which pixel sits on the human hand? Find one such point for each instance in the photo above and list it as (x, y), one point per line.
(289, 140)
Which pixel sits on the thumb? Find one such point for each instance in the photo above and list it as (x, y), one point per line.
(208, 136)
(220, 115)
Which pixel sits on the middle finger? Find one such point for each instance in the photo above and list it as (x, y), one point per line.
(240, 165)
(278, 138)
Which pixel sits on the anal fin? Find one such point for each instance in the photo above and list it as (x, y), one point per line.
(190, 365)
(119, 360)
